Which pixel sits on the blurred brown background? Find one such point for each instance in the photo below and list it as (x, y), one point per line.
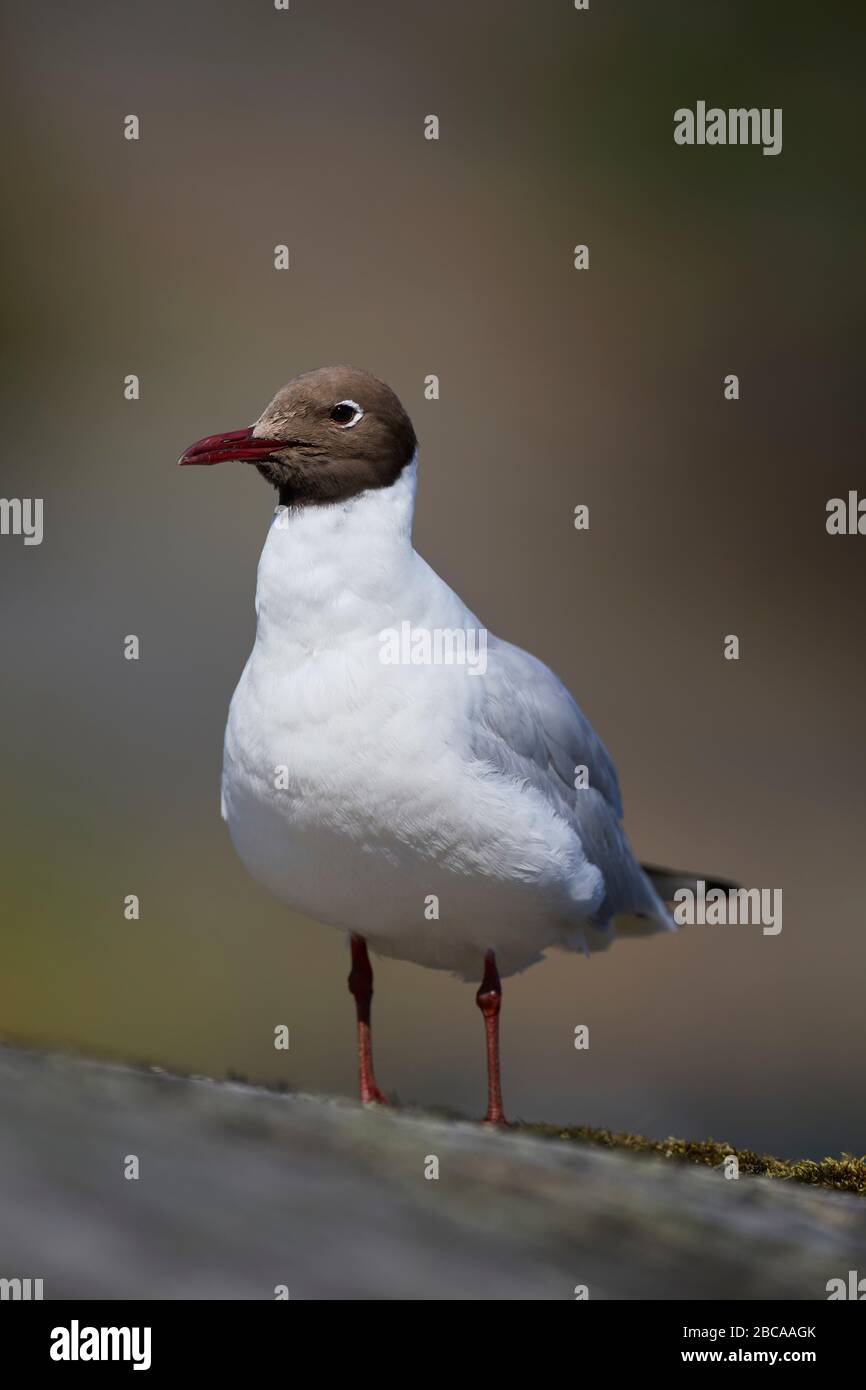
(411, 257)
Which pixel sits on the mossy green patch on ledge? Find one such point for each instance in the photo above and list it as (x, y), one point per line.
(845, 1174)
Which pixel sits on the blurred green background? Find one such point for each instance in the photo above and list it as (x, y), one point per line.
(412, 257)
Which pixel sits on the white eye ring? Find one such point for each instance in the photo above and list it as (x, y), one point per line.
(348, 424)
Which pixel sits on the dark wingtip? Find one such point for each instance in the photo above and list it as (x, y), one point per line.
(666, 882)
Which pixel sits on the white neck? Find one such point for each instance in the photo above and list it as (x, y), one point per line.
(335, 569)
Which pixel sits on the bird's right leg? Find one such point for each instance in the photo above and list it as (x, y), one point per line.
(361, 986)
(489, 1001)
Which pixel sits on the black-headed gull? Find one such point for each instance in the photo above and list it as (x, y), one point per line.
(390, 768)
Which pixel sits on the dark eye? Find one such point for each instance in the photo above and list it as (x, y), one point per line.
(346, 414)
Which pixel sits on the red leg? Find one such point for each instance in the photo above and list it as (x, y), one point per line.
(489, 1001)
(361, 986)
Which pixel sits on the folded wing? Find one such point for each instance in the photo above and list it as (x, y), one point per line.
(531, 730)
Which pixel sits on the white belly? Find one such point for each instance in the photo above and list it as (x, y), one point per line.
(349, 799)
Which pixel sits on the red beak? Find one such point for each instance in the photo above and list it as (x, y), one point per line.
(238, 445)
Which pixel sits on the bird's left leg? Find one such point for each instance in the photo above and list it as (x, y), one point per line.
(361, 986)
(489, 1001)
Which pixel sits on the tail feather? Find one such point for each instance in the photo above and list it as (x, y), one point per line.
(667, 882)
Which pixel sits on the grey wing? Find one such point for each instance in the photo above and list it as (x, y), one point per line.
(532, 730)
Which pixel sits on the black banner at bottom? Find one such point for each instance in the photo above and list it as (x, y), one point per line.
(160, 1339)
